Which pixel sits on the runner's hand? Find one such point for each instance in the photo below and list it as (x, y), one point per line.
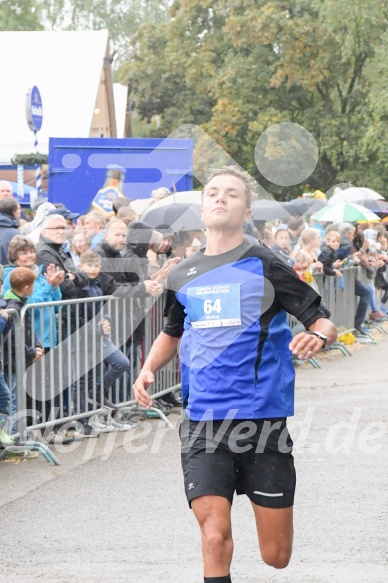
(144, 380)
(305, 345)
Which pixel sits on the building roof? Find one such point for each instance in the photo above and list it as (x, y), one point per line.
(67, 68)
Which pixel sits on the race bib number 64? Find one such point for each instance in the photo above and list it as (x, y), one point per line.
(213, 306)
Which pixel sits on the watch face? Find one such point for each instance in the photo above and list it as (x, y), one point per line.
(321, 337)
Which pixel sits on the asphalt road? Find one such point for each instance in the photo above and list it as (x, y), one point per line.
(115, 510)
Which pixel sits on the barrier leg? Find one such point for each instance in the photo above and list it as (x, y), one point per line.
(378, 327)
(313, 361)
(341, 348)
(35, 446)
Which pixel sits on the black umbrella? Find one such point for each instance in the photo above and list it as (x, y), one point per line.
(379, 206)
(301, 206)
(178, 216)
(266, 210)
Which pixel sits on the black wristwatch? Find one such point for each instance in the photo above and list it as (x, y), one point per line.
(321, 336)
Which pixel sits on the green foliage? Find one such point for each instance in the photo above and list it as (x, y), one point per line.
(121, 17)
(237, 67)
(19, 15)
(29, 159)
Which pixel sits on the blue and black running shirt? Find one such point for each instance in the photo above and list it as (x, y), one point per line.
(230, 310)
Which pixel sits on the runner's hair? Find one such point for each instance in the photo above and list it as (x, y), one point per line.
(250, 183)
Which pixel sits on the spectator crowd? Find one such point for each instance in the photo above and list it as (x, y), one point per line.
(59, 255)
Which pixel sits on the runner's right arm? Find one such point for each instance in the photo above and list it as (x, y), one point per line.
(163, 350)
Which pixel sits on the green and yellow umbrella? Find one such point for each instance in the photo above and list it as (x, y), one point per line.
(345, 212)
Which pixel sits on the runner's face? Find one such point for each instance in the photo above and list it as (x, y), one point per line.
(224, 203)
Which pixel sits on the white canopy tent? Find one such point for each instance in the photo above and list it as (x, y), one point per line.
(68, 69)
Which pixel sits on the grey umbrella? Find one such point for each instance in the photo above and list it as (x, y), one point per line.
(379, 206)
(266, 210)
(178, 216)
(302, 206)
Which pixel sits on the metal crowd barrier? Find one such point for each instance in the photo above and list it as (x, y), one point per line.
(67, 383)
(338, 294)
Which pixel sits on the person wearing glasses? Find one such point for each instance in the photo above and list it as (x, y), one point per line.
(50, 251)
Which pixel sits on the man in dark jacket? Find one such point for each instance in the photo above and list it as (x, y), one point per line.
(125, 272)
(129, 276)
(139, 239)
(9, 222)
(49, 251)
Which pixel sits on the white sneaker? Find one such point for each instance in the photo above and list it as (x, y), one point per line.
(100, 426)
(119, 426)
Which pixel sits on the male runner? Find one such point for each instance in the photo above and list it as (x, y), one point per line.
(227, 304)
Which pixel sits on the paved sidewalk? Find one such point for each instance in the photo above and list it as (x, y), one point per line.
(115, 510)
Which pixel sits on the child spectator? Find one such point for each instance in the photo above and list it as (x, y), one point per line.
(369, 264)
(5, 439)
(22, 281)
(268, 239)
(282, 244)
(381, 281)
(328, 252)
(302, 267)
(310, 243)
(92, 326)
(79, 244)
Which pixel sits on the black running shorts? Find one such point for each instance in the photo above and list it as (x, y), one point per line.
(252, 457)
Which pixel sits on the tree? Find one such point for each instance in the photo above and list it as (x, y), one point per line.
(235, 67)
(19, 15)
(121, 17)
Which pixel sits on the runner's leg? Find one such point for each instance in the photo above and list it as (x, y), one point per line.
(275, 532)
(213, 516)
